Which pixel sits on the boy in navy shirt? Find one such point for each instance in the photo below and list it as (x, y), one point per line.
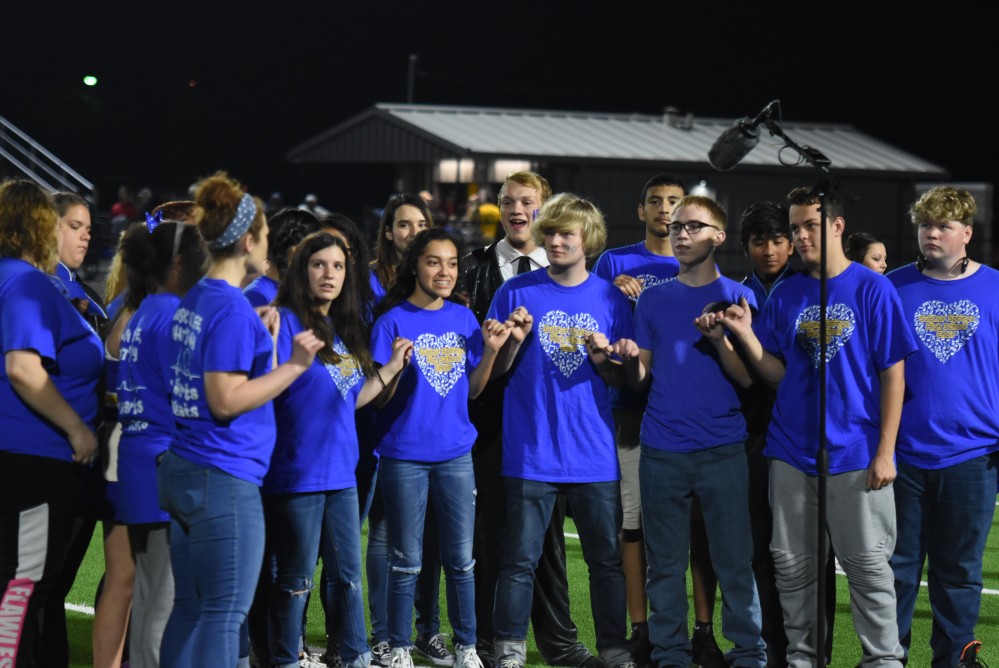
(945, 491)
(867, 341)
(693, 441)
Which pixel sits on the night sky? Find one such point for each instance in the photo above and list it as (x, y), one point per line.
(185, 89)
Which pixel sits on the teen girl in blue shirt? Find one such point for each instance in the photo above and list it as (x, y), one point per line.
(310, 485)
(223, 378)
(426, 436)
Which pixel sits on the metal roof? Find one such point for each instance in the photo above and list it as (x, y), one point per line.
(418, 133)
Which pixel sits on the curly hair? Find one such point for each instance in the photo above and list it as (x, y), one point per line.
(942, 204)
(28, 224)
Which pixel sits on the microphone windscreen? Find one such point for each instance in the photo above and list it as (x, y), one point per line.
(733, 145)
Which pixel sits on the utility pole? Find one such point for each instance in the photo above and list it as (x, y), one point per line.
(411, 78)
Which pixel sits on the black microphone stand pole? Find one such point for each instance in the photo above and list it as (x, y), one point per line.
(824, 186)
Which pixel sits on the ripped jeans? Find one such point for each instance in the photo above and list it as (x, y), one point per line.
(405, 486)
(294, 525)
(861, 529)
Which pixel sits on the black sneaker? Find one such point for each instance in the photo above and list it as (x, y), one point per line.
(435, 649)
(641, 648)
(381, 655)
(969, 656)
(706, 652)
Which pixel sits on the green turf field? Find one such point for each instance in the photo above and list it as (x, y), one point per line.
(846, 648)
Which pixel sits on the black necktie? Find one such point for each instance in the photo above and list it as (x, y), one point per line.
(523, 264)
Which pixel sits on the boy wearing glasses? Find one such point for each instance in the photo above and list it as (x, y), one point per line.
(693, 437)
(867, 341)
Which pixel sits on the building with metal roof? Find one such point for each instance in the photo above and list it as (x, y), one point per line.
(607, 157)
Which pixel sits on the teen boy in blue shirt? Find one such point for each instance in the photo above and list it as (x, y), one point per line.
(693, 442)
(945, 490)
(867, 341)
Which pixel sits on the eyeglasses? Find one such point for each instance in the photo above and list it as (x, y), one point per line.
(691, 227)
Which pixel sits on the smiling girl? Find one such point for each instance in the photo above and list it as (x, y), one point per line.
(426, 437)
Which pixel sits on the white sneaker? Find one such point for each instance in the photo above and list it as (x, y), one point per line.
(467, 658)
(401, 658)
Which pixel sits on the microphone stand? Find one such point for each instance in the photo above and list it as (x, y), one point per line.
(826, 184)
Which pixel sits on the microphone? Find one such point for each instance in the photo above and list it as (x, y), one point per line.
(737, 141)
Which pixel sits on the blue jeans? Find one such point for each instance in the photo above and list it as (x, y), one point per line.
(295, 523)
(944, 514)
(406, 486)
(216, 549)
(719, 478)
(596, 508)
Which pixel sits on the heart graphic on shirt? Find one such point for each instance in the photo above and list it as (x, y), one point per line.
(840, 325)
(441, 359)
(648, 280)
(563, 338)
(945, 328)
(347, 373)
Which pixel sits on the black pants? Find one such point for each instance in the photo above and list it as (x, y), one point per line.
(39, 499)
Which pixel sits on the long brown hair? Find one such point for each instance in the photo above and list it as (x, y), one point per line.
(387, 258)
(345, 319)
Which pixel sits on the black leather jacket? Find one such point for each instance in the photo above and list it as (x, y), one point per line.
(481, 279)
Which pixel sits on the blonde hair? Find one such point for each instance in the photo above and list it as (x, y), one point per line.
(28, 224)
(528, 180)
(565, 212)
(943, 204)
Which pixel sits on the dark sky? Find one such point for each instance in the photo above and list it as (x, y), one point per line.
(272, 76)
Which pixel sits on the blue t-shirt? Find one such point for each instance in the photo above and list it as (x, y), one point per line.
(557, 422)
(316, 449)
(951, 409)
(378, 291)
(144, 406)
(262, 291)
(638, 262)
(216, 330)
(35, 316)
(866, 334)
(427, 418)
(692, 405)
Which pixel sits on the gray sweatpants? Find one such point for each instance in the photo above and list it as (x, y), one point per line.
(861, 528)
(152, 595)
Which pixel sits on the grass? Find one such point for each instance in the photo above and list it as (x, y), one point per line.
(846, 647)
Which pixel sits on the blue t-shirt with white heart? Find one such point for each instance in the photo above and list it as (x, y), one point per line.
(427, 418)
(316, 448)
(951, 409)
(638, 262)
(866, 334)
(557, 421)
